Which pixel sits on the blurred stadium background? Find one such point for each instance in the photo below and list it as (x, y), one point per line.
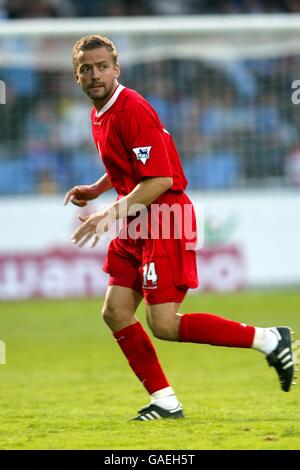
(222, 76)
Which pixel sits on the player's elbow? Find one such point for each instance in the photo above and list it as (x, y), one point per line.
(167, 182)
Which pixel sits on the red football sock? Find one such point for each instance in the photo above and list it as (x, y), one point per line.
(142, 358)
(212, 329)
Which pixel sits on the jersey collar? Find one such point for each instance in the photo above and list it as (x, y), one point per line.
(111, 101)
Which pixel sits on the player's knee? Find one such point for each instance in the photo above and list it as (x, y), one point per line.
(162, 331)
(114, 315)
(109, 314)
(164, 326)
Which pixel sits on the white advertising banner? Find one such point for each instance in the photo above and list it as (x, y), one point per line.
(250, 239)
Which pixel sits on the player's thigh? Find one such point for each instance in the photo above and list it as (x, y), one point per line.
(119, 307)
(164, 320)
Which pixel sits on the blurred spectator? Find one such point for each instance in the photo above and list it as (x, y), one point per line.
(74, 128)
(223, 116)
(172, 102)
(240, 75)
(266, 117)
(64, 9)
(112, 8)
(160, 98)
(174, 7)
(3, 11)
(269, 123)
(16, 9)
(253, 6)
(41, 143)
(115, 8)
(46, 183)
(21, 79)
(291, 6)
(140, 7)
(88, 9)
(213, 166)
(41, 132)
(21, 88)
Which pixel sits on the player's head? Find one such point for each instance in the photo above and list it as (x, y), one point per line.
(96, 68)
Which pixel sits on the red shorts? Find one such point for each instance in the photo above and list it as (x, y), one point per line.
(160, 269)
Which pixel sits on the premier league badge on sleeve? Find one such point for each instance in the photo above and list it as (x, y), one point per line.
(142, 153)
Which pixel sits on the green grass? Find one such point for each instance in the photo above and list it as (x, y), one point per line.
(66, 384)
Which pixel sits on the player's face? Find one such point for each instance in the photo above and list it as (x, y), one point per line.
(97, 74)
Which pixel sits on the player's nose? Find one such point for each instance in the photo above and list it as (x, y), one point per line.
(95, 72)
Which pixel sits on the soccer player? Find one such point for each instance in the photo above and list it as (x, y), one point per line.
(143, 166)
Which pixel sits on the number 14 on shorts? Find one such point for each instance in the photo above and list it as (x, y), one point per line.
(149, 275)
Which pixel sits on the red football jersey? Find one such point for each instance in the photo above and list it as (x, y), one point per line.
(133, 143)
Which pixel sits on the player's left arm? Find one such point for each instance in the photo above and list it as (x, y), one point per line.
(144, 193)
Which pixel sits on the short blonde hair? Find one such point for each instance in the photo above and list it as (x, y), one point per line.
(92, 42)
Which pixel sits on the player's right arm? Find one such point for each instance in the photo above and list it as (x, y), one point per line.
(80, 195)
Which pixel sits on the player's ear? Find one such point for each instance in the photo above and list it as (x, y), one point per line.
(117, 70)
(76, 76)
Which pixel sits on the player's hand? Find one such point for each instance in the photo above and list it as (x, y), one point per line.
(94, 226)
(80, 195)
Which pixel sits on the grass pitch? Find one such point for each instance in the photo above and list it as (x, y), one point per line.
(66, 384)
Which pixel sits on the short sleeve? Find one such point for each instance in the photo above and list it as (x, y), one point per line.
(146, 144)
